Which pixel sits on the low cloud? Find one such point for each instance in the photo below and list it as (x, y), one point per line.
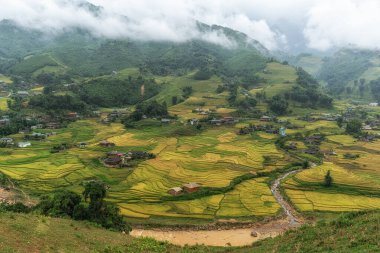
(319, 24)
(169, 20)
(343, 23)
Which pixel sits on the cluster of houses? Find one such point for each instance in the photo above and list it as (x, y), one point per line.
(224, 120)
(186, 188)
(120, 159)
(111, 117)
(323, 116)
(7, 142)
(270, 129)
(313, 142)
(203, 111)
(5, 120)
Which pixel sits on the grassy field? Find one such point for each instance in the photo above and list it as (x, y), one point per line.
(351, 232)
(5, 79)
(279, 78)
(3, 104)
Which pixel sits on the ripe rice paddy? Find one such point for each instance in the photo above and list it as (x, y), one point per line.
(212, 158)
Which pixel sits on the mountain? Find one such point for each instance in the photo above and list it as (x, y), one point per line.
(76, 51)
(349, 71)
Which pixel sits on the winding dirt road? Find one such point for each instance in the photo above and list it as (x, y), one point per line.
(233, 236)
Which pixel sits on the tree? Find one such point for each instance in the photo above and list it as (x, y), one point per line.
(96, 192)
(375, 89)
(328, 179)
(278, 105)
(339, 122)
(187, 91)
(62, 203)
(174, 100)
(354, 127)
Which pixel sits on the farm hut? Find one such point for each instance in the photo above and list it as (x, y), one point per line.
(217, 122)
(166, 121)
(194, 122)
(191, 187)
(266, 118)
(53, 125)
(113, 161)
(22, 94)
(6, 140)
(367, 127)
(114, 154)
(72, 115)
(106, 144)
(24, 144)
(175, 191)
(82, 145)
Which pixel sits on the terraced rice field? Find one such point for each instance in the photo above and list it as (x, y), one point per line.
(212, 158)
(3, 104)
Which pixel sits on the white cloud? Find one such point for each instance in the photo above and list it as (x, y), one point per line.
(171, 20)
(322, 23)
(342, 23)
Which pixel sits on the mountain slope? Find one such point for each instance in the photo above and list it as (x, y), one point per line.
(349, 71)
(87, 55)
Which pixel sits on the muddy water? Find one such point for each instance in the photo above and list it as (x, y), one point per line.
(232, 237)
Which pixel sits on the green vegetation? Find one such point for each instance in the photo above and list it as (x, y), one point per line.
(350, 232)
(354, 127)
(112, 92)
(328, 179)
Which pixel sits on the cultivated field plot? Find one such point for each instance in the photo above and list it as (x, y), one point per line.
(356, 183)
(212, 158)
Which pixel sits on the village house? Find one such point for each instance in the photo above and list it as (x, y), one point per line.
(292, 146)
(24, 144)
(217, 122)
(113, 161)
(366, 127)
(72, 115)
(35, 136)
(82, 145)
(6, 141)
(53, 125)
(22, 94)
(38, 126)
(24, 131)
(106, 144)
(175, 191)
(191, 187)
(115, 158)
(373, 104)
(266, 118)
(106, 121)
(194, 122)
(244, 131)
(4, 122)
(166, 121)
(312, 150)
(229, 120)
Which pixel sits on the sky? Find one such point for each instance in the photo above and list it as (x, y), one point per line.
(278, 24)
